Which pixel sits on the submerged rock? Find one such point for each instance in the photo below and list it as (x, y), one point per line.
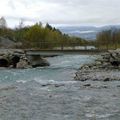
(87, 85)
(106, 79)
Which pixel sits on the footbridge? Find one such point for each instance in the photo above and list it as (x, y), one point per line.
(36, 52)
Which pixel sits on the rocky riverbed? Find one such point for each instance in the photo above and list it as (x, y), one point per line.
(105, 68)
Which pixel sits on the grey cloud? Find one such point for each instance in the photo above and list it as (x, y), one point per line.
(21, 18)
(11, 4)
(68, 11)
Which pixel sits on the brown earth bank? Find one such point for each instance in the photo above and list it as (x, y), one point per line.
(105, 68)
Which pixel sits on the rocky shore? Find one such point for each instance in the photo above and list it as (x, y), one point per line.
(17, 58)
(105, 68)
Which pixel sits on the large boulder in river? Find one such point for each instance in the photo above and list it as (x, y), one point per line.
(22, 64)
(10, 58)
(38, 61)
(16, 58)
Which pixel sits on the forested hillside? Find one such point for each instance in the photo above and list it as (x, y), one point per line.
(37, 36)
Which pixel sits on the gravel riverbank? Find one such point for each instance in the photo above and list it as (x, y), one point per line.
(98, 75)
(105, 68)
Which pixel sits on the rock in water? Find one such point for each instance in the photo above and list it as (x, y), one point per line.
(38, 61)
(18, 59)
(106, 79)
(23, 63)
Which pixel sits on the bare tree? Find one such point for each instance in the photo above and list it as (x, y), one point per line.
(3, 23)
(21, 23)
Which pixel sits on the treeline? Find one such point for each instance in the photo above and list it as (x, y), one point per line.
(37, 36)
(108, 39)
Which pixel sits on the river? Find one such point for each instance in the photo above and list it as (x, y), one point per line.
(51, 93)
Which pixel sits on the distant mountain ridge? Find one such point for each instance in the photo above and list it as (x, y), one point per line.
(86, 32)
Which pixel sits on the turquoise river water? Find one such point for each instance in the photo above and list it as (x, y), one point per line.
(51, 93)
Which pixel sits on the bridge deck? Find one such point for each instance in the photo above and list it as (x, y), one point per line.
(62, 52)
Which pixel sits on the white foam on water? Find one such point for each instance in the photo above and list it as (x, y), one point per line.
(96, 116)
(51, 81)
(104, 115)
(87, 98)
(43, 81)
(21, 81)
(6, 77)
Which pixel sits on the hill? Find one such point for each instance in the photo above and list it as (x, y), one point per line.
(86, 32)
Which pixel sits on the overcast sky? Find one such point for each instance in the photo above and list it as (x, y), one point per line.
(71, 12)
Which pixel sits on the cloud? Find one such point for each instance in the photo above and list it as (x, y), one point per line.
(61, 11)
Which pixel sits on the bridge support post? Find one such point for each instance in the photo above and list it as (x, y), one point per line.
(85, 47)
(62, 47)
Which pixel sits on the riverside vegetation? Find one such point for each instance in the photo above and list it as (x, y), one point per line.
(108, 39)
(38, 36)
(48, 37)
